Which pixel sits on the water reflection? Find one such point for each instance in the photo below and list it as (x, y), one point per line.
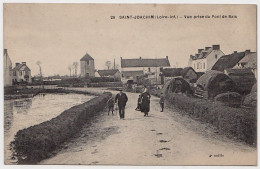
(23, 113)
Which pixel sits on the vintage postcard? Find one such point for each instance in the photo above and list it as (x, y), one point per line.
(130, 84)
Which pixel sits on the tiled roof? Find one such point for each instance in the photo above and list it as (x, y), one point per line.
(228, 61)
(110, 72)
(21, 67)
(132, 73)
(162, 62)
(86, 57)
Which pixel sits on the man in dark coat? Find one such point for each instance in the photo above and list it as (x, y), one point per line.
(145, 105)
(121, 99)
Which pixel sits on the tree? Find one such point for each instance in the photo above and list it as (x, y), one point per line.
(75, 66)
(108, 64)
(70, 67)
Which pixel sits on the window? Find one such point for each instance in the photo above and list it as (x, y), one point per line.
(216, 56)
(88, 62)
(198, 64)
(149, 69)
(14, 73)
(21, 73)
(204, 65)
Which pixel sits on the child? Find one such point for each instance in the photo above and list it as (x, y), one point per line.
(110, 105)
(162, 101)
(138, 103)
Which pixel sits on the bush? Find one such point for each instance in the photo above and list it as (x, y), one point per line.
(35, 143)
(233, 122)
(103, 79)
(105, 84)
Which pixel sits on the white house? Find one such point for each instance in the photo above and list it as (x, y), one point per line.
(8, 72)
(140, 66)
(22, 73)
(205, 58)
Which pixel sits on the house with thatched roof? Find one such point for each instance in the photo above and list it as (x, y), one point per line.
(188, 73)
(243, 78)
(150, 67)
(213, 83)
(249, 61)
(113, 73)
(229, 61)
(205, 58)
(87, 66)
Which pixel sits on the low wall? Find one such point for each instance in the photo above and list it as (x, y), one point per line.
(35, 143)
(239, 123)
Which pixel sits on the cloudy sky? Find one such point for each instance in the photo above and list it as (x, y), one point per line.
(60, 34)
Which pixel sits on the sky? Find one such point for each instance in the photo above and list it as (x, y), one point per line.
(60, 34)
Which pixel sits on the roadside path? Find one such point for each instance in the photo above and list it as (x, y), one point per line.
(163, 138)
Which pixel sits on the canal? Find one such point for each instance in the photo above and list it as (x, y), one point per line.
(23, 113)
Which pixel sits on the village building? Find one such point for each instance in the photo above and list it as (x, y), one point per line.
(8, 72)
(133, 68)
(205, 58)
(112, 73)
(131, 76)
(87, 66)
(249, 61)
(21, 73)
(187, 73)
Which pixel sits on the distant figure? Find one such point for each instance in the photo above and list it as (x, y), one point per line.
(121, 99)
(145, 102)
(110, 105)
(162, 101)
(138, 108)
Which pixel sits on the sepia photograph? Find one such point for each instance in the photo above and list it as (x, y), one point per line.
(130, 84)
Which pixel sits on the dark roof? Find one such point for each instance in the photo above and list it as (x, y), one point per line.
(162, 62)
(228, 61)
(132, 73)
(110, 72)
(249, 61)
(21, 67)
(86, 57)
(173, 72)
(203, 54)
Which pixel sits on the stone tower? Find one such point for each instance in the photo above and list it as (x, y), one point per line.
(87, 66)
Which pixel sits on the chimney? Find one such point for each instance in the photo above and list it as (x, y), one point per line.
(197, 55)
(247, 51)
(24, 63)
(216, 47)
(16, 64)
(167, 57)
(191, 56)
(235, 51)
(140, 57)
(204, 53)
(121, 58)
(199, 50)
(207, 48)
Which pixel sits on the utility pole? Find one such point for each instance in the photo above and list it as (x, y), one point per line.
(114, 63)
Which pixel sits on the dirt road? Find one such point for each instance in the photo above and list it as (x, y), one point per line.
(163, 138)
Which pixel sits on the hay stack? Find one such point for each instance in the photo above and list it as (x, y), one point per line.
(171, 85)
(231, 99)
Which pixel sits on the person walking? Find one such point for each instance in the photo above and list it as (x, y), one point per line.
(161, 101)
(110, 105)
(145, 102)
(121, 99)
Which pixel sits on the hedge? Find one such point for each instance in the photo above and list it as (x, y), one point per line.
(35, 143)
(240, 123)
(105, 84)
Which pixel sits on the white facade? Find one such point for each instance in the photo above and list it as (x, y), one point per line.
(202, 64)
(8, 73)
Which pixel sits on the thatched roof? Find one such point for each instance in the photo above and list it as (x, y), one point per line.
(228, 61)
(173, 72)
(110, 72)
(249, 61)
(215, 82)
(170, 86)
(244, 79)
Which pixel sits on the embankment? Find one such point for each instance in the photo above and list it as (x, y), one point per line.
(238, 123)
(36, 143)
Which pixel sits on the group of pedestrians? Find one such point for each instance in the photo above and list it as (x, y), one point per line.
(143, 103)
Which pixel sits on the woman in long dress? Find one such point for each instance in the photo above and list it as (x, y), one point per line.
(145, 102)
